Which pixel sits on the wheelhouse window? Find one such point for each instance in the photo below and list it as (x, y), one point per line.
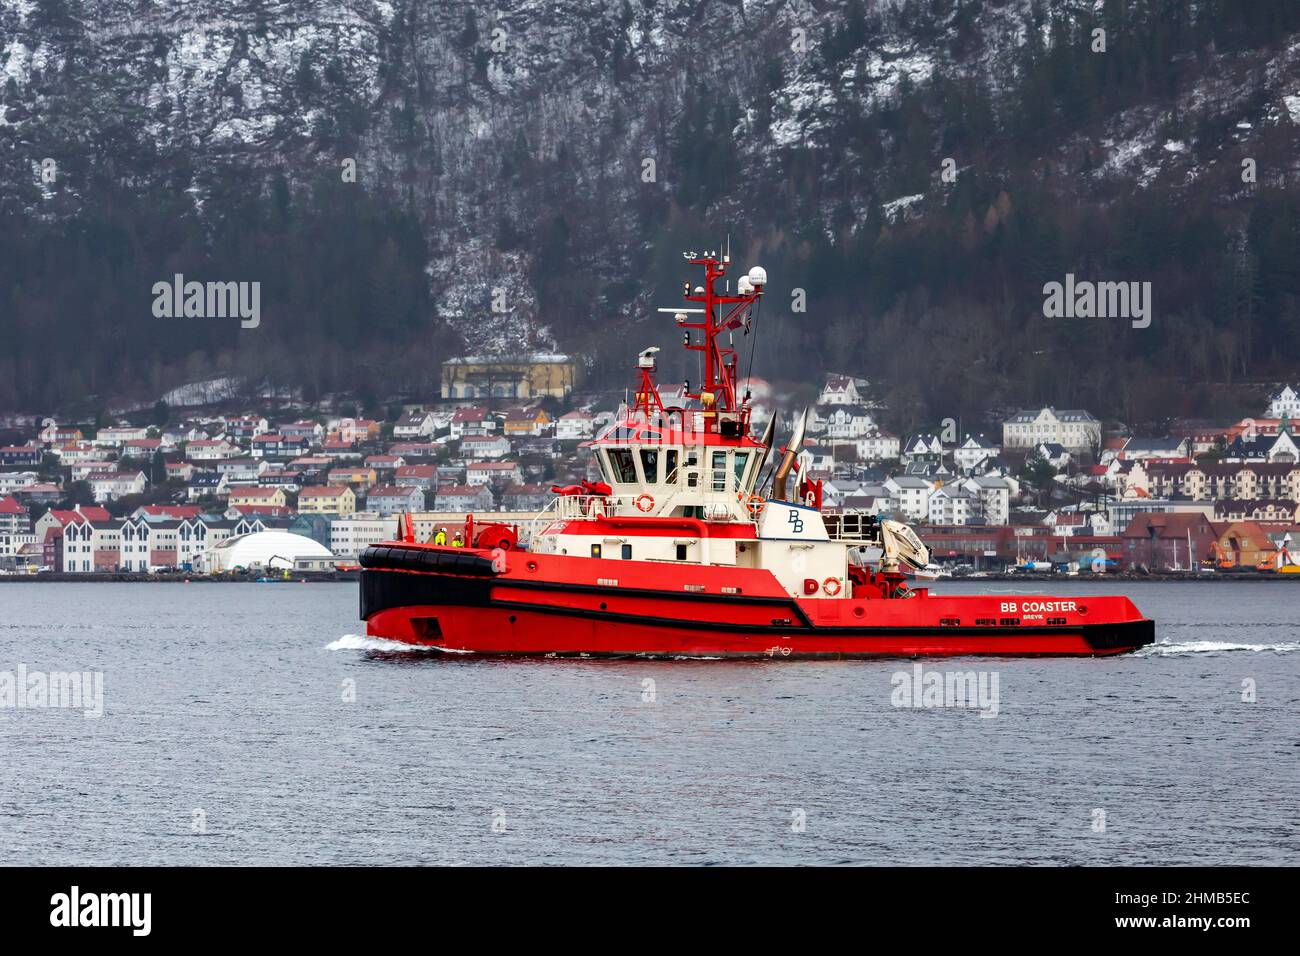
(719, 471)
(670, 466)
(741, 460)
(624, 467)
(650, 465)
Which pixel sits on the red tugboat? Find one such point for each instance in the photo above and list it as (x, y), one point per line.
(676, 553)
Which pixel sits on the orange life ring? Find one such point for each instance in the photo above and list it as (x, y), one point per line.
(753, 504)
(832, 586)
(644, 502)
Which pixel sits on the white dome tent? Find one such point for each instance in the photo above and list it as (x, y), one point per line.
(268, 551)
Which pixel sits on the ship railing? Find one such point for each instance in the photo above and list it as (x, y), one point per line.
(852, 526)
(567, 507)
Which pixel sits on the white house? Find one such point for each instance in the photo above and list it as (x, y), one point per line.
(242, 470)
(482, 448)
(577, 425)
(912, 493)
(115, 436)
(210, 449)
(1284, 403)
(111, 485)
(1136, 448)
(487, 472)
(951, 505)
(351, 535)
(246, 427)
(11, 481)
(135, 545)
(840, 390)
(471, 421)
(1284, 448)
(1073, 428)
(993, 495)
(877, 446)
(972, 451)
(464, 498)
(75, 451)
(418, 424)
(92, 546)
(15, 527)
(848, 421)
(312, 431)
(78, 471)
(12, 542)
(392, 499)
(423, 477)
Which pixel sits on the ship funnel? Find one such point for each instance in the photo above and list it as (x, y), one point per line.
(787, 462)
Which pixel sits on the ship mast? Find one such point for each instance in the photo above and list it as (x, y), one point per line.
(723, 312)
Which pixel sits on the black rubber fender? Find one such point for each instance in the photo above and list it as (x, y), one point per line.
(387, 557)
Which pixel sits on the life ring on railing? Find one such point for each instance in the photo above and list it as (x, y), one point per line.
(832, 586)
(644, 502)
(753, 503)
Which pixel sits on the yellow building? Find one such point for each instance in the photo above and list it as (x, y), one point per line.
(256, 496)
(327, 500)
(509, 376)
(362, 478)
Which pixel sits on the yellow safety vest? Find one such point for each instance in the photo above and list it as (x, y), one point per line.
(458, 544)
(440, 538)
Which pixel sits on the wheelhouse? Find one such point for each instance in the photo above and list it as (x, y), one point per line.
(682, 472)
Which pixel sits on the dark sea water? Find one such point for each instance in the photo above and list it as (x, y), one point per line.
(226, 738)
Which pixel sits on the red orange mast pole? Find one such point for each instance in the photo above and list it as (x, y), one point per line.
(719, 373)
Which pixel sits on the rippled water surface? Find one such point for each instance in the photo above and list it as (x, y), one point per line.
(229, 736)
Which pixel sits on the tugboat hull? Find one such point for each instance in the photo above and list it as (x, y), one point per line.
(519, 603)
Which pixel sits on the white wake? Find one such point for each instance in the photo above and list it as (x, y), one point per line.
(1212, 647)
(363, 642)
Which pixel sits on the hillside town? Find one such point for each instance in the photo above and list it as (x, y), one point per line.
(178, 489)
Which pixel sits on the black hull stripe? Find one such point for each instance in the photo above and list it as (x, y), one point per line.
(1131, 629)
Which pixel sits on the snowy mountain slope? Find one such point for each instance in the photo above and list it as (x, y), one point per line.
(506, 125)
